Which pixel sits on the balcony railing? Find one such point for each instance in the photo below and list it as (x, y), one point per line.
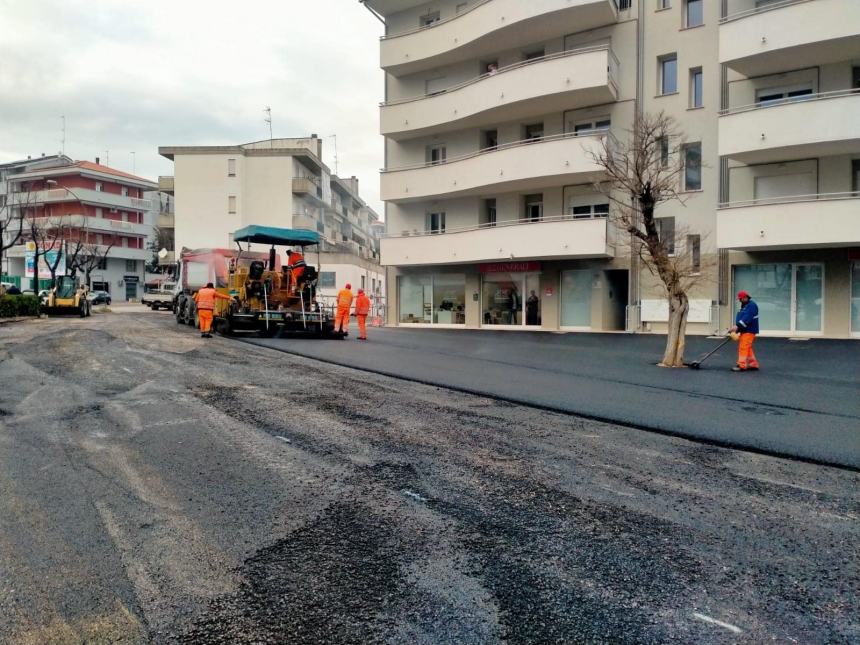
(502, 146)
(835, 94)
(738, 9)
(494, 225)
(790, 199)
(509, 68)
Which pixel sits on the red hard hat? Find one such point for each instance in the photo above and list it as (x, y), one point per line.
(348, 285)
(361, 290)
(742, 295)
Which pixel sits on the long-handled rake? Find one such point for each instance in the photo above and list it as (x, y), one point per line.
(696, 364)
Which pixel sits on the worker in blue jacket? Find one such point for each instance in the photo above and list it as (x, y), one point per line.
(746, 324)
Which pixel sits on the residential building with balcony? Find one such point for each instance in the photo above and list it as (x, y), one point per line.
(91, 203)
(163, 220)
(282, 183)
(492, 113)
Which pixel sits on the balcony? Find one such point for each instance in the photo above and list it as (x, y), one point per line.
(521, 165)
(85, 195)
(305, 222)
(548, 239)
(799, 221)
(165, 220)
(554, 83)
(166, 184)
(479, 30)
(98, 225)
(772, 37)
(815, 125)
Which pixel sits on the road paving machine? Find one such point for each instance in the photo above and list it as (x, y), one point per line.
(271, 300)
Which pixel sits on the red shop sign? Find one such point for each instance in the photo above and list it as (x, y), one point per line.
(509, 267)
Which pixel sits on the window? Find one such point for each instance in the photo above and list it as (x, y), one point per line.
(664, 4)
(428, 19)
(694, 248)
(696, 81)
(695, 13)
(776, 95)
(436, 154)
(435, 223)
(328, 279)
(100, 187)
(102, 264)
(855, 78)
(669, 74)
(491, 139)
(231, 204)
(231, 167)
(490, 212)
(99, 212)
(533, 207)
(589, 211)
(124, 191)
(534, 54)
(533, 132)
(591, 125)
(131, 266)
(664, 151)
(855, 176)
(438, 299)
(693, 166)
(625, 4)
(666, 233)
(363, 283)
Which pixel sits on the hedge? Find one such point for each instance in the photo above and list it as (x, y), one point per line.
(25, 305)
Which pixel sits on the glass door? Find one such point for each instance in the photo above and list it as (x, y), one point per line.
(855, 298)
(576, 299)
(790, 297)
(510, 300)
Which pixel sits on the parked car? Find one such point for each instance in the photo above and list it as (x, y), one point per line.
(99, 298)
(43, 296)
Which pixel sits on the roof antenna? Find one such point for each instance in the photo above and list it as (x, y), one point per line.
(268, 119)
(63, 137)
(334, 136)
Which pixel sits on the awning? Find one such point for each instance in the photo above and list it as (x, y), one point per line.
(272, 235)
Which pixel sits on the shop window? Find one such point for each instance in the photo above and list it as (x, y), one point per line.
(432, 299)
(504, 299)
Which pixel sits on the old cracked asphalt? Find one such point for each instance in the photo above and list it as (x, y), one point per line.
(158, 487)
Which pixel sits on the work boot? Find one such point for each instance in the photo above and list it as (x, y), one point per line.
(737, 368)
(202, 334)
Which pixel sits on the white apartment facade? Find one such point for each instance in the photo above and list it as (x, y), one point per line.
(281, 183)
(492, 108)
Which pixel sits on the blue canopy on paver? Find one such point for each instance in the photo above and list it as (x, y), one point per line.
(273, 235)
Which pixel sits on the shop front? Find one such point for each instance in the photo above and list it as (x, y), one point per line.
(437, 299)
(510, 295)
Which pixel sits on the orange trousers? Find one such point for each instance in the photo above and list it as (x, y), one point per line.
(205, 316)
(341, 319)
(746, 357)
(362, 326)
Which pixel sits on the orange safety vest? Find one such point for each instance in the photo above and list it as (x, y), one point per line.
(344, 299)
(362, 305)
(205, 298)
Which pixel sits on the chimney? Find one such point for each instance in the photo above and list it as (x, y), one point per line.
(43, 154)
(97, 160)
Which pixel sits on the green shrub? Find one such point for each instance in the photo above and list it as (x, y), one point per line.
(12, 306)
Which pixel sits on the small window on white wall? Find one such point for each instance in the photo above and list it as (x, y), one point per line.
(231, 167)
(694, 249)
(231, 204)
(666, 232)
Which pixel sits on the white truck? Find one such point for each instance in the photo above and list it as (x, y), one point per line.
(160, 297)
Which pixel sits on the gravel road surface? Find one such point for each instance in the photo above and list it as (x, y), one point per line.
(156, 487)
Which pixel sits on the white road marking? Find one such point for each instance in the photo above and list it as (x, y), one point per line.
(718, 623)
(416, 496)
(127, 370)
(617, 492)
(284, 439)
(777, 482)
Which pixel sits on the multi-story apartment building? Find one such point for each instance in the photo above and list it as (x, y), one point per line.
(283, 183)
(492, 111)
(92, 203)
(162, 217)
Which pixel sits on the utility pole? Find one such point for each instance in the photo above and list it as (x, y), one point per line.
(268, 119)
(334, 136)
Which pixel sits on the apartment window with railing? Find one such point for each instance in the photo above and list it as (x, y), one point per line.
(124, 191)
(489, 212)
(428, 19)
(435, 154)
(589, 211)
(592, 125)
(668, 74)
(435, 223)
(786, 94)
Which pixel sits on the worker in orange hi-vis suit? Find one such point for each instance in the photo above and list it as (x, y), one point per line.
(205, 299)
(296, 264)
(362, 308)
(344, 302)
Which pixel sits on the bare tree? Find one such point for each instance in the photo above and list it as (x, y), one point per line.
(643, 172)
(85, 256)
(12, 221)
(48, 234)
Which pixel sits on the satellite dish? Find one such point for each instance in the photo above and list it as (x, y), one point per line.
(163, 253)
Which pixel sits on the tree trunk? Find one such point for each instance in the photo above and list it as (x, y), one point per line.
(679, 306)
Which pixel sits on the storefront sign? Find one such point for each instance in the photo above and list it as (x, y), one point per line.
(548, 292)
(509, 267)
(131, 278)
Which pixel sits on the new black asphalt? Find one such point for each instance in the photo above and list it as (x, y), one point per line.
(803, 403)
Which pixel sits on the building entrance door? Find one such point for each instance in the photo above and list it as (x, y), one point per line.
(505, 300)
(130, 290)
(855, 298)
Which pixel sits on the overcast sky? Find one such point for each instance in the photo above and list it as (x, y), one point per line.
(131, 75)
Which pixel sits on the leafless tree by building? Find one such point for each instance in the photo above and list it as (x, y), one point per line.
(643, 172)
